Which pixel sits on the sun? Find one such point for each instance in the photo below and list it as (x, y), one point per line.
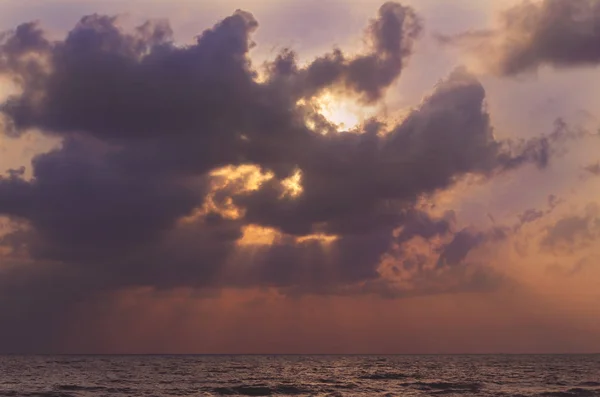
(337, 111)
(345, 113)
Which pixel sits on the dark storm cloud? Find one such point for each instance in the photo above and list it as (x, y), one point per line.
(391, 37)
(27, 39)
(356, 182)
(557, 33)
(84, 207)
(353, 257)
(144, 121)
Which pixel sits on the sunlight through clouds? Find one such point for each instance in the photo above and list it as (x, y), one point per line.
(294, 155)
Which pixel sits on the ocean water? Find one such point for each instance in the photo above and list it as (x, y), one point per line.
(494, 375)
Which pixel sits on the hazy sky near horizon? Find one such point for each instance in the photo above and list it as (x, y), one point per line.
(299, 176)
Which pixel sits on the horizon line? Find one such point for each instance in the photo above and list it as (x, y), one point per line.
(298, 354)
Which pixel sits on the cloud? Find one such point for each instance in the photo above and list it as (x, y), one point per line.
(555, 33)
(573, 232)
(531, 215)
(593, 169)
(391, 37)
(464, 241)
(579, 267)
(448, 136)
(132, 196)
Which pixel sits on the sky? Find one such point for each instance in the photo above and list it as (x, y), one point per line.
(299, 176)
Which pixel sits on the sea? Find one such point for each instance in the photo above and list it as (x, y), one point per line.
(431, 375)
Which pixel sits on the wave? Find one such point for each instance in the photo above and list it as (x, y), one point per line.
(590, 384)
(386, 376)
(80, 388)
(574, 392)
(14, 393)
(447, 387)
(260, 390)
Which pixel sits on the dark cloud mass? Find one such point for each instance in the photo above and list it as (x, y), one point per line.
(391, 37)
(129, 198)
(557, 33)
